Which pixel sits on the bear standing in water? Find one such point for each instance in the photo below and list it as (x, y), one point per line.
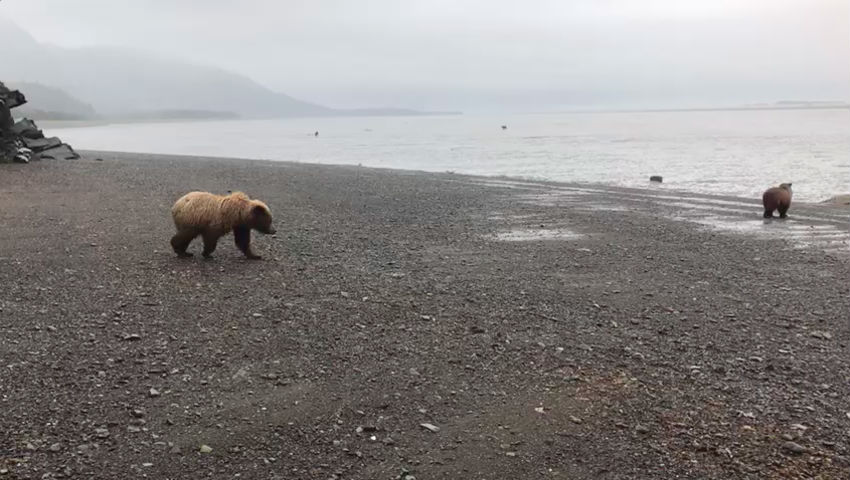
(777, 198)
(213, 216)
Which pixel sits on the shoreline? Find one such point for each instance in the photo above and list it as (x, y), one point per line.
(570, 329)
(649, 189)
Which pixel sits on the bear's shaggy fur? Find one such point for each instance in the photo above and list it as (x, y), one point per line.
(213, 216)
(777, 198)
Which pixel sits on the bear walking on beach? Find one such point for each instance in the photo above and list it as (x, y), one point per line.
(777, 198)
(213, 216)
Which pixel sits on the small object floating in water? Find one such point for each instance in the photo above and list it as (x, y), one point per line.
(316, 134)
(504, 127)
(656, 178)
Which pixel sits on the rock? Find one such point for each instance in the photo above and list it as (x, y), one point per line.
(205, 449)
(56, 447)
(41, 144)
(821, 334)
(794, 447)
(132, 337)
(101, 433)
(60, 152)
(153, 392)
(656, 178)
(430, 427)
(642, 429)
(575, 419)
(133, 429)
(138, 413)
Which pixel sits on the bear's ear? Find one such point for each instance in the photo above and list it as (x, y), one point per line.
(258, 211)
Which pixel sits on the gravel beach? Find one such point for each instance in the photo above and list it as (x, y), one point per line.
(406, 324)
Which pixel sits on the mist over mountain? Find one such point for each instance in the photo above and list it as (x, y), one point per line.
(127, 83)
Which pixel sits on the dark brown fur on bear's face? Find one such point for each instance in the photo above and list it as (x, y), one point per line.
(261, 220)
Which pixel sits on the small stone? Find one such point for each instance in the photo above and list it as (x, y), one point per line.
(794, 447)
(133, 429)
(799, 426)
(426, 317)
(147, 464)
(755, 358)
(132, 337)
(205, 449)
(575, 419)
(101, 432)
(30, 446)
(430, 427)
(641, 429)
(821, 334)
(510, 454)
(540, 410)
(138, 413)
(256, 315)
(475, 329)
(153, 392)
(56, 447)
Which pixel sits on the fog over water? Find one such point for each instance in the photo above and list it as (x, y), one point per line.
(477, 55)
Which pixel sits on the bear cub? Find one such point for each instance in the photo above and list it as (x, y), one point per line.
(777, 198)
(213, 216)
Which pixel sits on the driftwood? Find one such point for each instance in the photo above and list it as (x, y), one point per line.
(23, 141)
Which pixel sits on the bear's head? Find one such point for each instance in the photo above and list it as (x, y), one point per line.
(785, 186)
(260, 218)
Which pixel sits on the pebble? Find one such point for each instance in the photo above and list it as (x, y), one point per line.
(575, 419)
(821, 334)
(641, 429)
(205, 449)
(56, 447)
(101, 432)
(132, 337)
(154, 392)
(794, 448)
(430, 427)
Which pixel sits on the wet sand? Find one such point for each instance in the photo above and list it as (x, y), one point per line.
(546, 330)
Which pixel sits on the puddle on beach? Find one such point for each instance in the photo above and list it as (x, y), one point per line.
(531, 235)
(828, 237)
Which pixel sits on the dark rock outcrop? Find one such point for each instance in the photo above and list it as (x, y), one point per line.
(23, 141)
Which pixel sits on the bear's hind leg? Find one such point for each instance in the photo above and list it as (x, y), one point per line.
(210, 241)
(181, 240)
(783, 211)
(242, 235)
(768, 213)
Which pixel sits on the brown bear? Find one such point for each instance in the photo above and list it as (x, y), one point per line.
(213, 216)
(777, 198)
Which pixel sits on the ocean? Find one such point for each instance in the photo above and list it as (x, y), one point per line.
(737, 153)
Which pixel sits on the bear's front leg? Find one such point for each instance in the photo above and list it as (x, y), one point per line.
(242, 235)
(210, 241)
(181, 240)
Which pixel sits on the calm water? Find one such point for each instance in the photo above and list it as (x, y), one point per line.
(728, 152)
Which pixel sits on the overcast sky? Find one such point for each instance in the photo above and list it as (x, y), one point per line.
(484, 54)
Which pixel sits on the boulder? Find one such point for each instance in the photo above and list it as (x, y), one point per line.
(656, 178)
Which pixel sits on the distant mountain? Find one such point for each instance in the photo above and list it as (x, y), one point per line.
(45, 102)
(119, 82)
